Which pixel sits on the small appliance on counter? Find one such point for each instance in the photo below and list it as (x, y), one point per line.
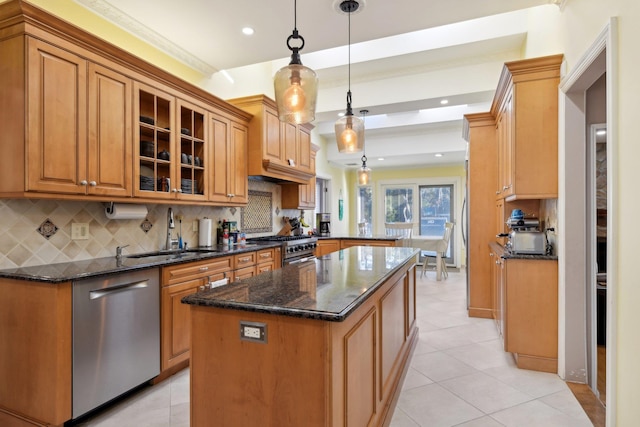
(323, 224)
(525, 237)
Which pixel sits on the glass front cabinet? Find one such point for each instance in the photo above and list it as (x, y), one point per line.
(171, 153)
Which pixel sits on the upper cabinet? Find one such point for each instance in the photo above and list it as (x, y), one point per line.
(229, 185)
(277, 150)
(302, 196)
(83, 119)
(75, 138)
(526, 111)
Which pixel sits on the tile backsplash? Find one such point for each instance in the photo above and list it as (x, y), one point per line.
(22, 244)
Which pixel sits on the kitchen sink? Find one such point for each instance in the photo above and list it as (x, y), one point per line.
(173, 254)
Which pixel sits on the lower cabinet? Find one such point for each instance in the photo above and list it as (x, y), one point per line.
(179, 281)
(326, 246)
(525, 296)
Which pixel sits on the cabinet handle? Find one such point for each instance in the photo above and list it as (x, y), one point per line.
(491, 254)
(83, 182)
(506, 187)
(204, 268)
(177, 190)
(93, 183)
(497, 262)
(244, 259)
(498, 192)
(264, 255)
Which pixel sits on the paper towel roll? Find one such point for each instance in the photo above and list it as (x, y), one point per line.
(205, 232)
(125, 211)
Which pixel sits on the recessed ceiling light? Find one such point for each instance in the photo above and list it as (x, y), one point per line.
(381, 158)
(438, 154)
(444, 102)
(247, 31)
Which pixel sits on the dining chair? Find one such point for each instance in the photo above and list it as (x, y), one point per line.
(442, 250)
(401, 229)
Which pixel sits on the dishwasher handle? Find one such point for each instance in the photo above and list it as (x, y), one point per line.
(100, 293)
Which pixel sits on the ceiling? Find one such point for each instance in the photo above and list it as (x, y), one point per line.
(405, 58)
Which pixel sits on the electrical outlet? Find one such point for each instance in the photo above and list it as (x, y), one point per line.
(253, 331)
(195, 226)
(79, 231)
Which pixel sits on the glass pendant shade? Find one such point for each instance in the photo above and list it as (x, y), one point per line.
(364, 174)
(296, 86)
(296, 90)
(349, 133)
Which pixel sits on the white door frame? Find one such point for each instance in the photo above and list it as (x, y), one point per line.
(573, 266)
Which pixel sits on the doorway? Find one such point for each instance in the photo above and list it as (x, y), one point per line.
(578, 216)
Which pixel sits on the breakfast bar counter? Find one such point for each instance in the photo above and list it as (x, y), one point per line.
(300, 345)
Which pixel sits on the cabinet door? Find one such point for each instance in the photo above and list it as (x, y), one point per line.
(56, 120)
(304, 147)
(110, 138)
(273, 149)
(289, 133)
(176, 322)
(191, 152)
(238, 172)
(219, 158)
(327, 246)
(154, 175)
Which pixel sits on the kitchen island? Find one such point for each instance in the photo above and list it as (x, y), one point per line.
(319, 343)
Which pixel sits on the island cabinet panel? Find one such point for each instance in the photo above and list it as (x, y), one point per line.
(361, 375)
(308, 372)
(229, 375)
(36, 326)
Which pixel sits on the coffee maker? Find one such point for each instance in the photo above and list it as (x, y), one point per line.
(323, 224)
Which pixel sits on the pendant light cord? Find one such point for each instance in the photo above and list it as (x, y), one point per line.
(295, 15)
(349, 52)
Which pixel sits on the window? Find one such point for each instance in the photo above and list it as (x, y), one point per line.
(436, 210)
(398, 204)
(365, 210)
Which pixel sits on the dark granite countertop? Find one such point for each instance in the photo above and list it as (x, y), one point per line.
(327, 288)
(356, 237)
(75, 270)
(506, 254)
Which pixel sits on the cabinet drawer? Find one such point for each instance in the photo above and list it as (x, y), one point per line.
(196, 269)
(244, 273)
(267, 266)
(265, 255)
(244, 260)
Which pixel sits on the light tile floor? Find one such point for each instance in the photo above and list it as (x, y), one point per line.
(458, 376)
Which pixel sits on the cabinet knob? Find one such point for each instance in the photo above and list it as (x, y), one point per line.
(83, 182)
(93, 183)
(506, 187)
(177, 190)
(498, 192)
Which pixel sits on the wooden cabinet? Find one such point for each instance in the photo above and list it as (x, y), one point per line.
(277, 150)
(171, 146)
(266, 260)
(228, 156)
(179, 281)
(326, 246)
(302, 196)
(525, 293)
(526, 112)
(346, 373)
(77, 135)
(78, 110)
(479, 130)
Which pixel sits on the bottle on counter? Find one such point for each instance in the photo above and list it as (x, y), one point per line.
(225, 237)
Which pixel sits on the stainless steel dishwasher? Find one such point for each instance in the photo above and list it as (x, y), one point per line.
(116, 336)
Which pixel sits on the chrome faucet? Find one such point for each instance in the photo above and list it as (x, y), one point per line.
(119, 251)
(171, 224)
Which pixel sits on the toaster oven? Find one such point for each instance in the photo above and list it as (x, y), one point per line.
(527, 242)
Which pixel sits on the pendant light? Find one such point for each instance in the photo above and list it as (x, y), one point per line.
(364, 173)
(296, 86)
(349, 128)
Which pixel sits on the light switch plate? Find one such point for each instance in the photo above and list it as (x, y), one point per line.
(79, 231)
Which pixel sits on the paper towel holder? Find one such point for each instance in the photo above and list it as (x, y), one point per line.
(115, 211)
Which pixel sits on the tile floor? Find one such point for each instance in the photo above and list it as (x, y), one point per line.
(458, 376)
